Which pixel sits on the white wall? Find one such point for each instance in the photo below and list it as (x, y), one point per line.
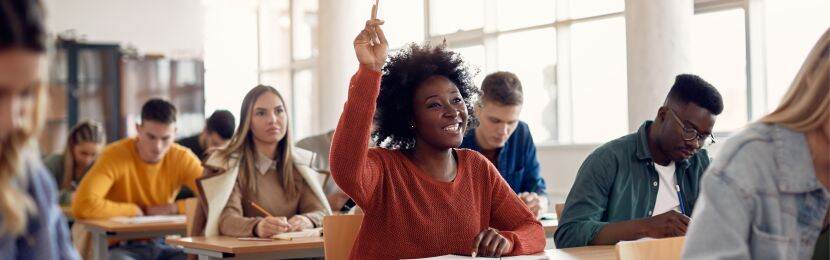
(559, 165)
(170, 27)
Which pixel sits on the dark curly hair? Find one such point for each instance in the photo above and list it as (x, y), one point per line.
(406, 70)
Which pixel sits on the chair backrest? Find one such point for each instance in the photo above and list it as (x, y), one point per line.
(339, 233)
(558, 208)
(665, 248)
(190, 205)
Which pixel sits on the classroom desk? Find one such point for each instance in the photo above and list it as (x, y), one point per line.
(228, 247)
(550, 230)
(550, 227)
(102, 230)
(221, 247)
(586, 252)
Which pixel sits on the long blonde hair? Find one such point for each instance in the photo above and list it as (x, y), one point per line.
(21, 26)
(17, 149)
(86, 131)
(241, 145)
(806, 106)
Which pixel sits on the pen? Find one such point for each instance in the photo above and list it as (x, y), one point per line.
(680, 199)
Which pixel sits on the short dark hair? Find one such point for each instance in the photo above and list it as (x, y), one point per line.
(502, 87)
(158, 110)
(222, 123)
(691, 88)
(405, 71)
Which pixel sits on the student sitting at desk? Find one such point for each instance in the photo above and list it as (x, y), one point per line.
(505, 140)
(767, 195)
(85, 142)
(140, 176)
(644, 184)
(216, 133)
(256, 186)
(31, 224)
(421, 195)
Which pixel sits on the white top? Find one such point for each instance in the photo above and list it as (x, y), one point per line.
(666, 192)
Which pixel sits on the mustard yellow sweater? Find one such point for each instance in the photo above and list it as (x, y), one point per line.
(119, 181)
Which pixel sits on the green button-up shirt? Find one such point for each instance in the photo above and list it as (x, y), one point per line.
(618, 182)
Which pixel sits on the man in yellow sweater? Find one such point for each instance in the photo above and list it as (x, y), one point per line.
(140, 176)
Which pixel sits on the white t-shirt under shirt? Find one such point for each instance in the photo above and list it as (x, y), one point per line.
(666, 192)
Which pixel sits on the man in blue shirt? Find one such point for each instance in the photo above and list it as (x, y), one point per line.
(506, 141)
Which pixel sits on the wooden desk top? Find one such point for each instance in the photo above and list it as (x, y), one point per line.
(550, 225)
(112, 226)
(234, 245)
(587, 252)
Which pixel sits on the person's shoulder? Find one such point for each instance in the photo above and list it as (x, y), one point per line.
(53, 161)
(469, 140)
(38, 176)
(748, 154)
(522, 127)
(121, 149)
(617, 148)
(181, 153)
(188, 139)
(521, 136)
(191, 142)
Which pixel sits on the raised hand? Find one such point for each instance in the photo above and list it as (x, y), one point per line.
(370, 45)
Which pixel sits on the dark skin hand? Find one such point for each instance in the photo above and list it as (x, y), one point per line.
(489, 243)
(669, 224)
(666, 145)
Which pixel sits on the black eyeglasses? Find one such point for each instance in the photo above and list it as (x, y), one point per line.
(691, 134)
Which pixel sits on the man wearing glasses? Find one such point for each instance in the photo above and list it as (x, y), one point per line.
(645, 184)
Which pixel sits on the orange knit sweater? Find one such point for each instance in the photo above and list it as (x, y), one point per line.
(409, 214)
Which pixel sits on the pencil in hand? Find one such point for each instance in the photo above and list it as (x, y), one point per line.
(261, 210)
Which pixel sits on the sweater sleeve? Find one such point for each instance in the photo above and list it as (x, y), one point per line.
(511, 217)
(90, 198)
(232, 221)
(353, 168)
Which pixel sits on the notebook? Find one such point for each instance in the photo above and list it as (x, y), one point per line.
(316, 232)
(150, 219)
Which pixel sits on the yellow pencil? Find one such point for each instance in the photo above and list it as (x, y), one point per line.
(375, 10)
(261, 209)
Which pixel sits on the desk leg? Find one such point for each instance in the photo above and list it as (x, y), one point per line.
(99, 246)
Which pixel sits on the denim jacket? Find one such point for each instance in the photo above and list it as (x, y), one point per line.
(760, 199)
(46, 235)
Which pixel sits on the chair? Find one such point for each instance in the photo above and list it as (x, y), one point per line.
(558, 209)
(190, 205)
(339, 233)
(665, 248)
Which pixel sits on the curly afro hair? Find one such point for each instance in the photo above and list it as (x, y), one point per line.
(403, 73)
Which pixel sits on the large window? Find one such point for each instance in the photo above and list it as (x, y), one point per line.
(569, 54)
(719, 57)
(792, 28)
(557, 57)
